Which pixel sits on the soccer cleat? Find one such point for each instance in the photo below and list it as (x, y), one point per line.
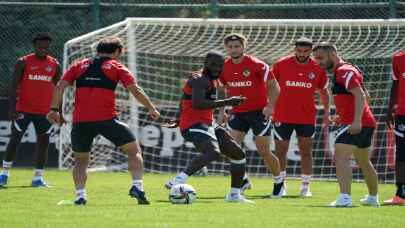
(80, 201)
(278, 190)
(246, 184)
(305, 192)
(40, 183)
(134, 192)
(342, 201)
(237, 198)
(396, 200)
(368, 201)
(175, 181)
(3, 180)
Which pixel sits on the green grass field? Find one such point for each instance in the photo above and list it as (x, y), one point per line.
(110, 206)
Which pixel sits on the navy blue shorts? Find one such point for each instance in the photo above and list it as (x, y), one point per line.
(245, 121)
(41, 124)
(283, 131)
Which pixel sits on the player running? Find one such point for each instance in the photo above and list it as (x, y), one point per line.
(95, 113)
(196, 118)
(247, 76)
(30, 97)
(357, 124)
(299, 78)
(397, 106)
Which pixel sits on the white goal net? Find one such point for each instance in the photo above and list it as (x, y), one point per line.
(161, 53)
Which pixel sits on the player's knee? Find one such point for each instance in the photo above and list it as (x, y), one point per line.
(81, 157)
(131, 148)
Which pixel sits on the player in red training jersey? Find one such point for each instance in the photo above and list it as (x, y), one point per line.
(247, 76)
(356, 121)
(397, 121)
(30, 97)
(95, 113)
(299, 78)
(196, 118)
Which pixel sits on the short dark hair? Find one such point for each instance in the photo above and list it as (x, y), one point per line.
(214, 54)
(304, 41)
(42, 36)
(235, 36)
(325, 46)
(109, 45)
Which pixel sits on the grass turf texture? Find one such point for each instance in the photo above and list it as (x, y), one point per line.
(110, 206)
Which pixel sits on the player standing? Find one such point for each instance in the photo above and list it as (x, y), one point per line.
(299, 78)
(357, 125)
(247, 76)
(30, 97)
(95, 113)
(196, 118)
(397, 105)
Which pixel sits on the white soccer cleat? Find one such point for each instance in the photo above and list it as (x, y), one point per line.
(237, 198)
(305, 192)
(246, 184)
(175, 181)
(342, 201)
(370, 201)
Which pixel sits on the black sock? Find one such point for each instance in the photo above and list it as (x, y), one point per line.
(401, 190)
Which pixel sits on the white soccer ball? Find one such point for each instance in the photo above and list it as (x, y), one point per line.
(182, 194)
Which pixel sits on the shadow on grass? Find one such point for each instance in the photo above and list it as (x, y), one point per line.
(199, 200)
(11, 187)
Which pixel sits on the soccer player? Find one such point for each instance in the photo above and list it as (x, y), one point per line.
(30, 97)
(299, 78)
(397, 101)
(356, 121)
(247, 76)
(196, 118)
(95, 113)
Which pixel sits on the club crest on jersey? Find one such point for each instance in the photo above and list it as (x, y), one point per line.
(401, 127)
(246, 72)
(311, 76)
(48, 68)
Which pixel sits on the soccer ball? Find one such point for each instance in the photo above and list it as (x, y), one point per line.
(182, 194)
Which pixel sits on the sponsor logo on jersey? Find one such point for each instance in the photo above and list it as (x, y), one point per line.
(38, 77)
(92, 79)
(240, 84)
(311, 76)
(48, 68)
(246, 72)
(298, 84)
(34, 67)
(401, 127)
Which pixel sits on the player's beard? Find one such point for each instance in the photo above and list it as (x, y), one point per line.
(330, 65)
(302, 59)
(236, 55)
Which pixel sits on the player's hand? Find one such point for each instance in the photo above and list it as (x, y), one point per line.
(355, 128)
(171, 124)
(325, 120)
(12, 114)
(334, 120)
(236, 100)
(223, 117)
(154, 113)
(389, 120)
(267, 112)
(53, 117)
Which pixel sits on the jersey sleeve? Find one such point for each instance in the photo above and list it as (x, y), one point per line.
(395, 70)
(263, 71)
(323, 80)
(348, 79)
(71, 74)
(125, 76)
(275, 72)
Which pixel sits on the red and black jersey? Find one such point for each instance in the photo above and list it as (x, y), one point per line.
(298, 85)
(347, 77)
(248, 79)
(96, 80)
(190, 116)
(36, 86)
(398, 74)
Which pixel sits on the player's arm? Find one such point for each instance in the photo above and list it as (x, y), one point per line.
(273, 91)
(199, 101)
(223, 116)
(393, 95)
(359, 100)
(142, 98)
(16, 79)
(54, 114)
(325, 101)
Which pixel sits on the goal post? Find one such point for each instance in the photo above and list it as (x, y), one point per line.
(162, 51)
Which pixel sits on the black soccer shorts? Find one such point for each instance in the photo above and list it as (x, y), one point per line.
(202, 136)
(361, 140)
(41, 124)
(245, 121)
(400, 137)
(283, 131)
(114, 130)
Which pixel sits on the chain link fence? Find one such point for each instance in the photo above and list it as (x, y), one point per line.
(21, 20)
